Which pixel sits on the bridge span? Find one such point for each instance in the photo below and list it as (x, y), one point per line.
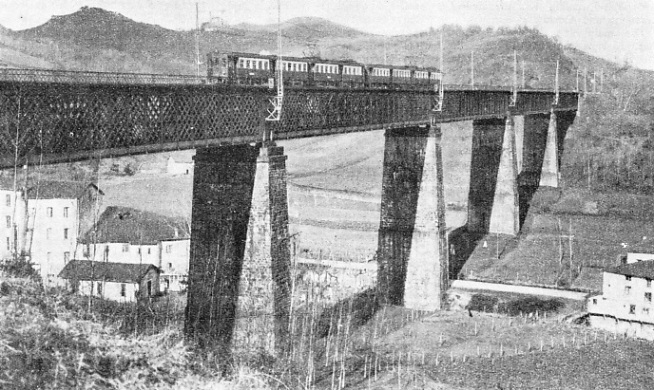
(239, 277)
(65, 116)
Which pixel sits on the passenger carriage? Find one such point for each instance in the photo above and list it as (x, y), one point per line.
(352, 75)
(379, 76)
(326, 73)
(401, 77)
(296, 71)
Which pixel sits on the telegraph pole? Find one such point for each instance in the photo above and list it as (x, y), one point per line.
(472, 69)
(197, 41)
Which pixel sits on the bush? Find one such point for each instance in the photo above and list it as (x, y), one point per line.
(513, 307)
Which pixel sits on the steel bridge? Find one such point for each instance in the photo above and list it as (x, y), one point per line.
(56, 116)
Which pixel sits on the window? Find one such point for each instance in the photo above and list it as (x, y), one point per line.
(8, 244)
(87, 250)
(8, 221)
(65, 233)
(170, 265)
(649, 282)
(8, 199)
(628, 278)
(632, 309)
(99, 288)
(125, 247)
(48, 233)
(627, 290)
(48, 212)
(148, 251)
(66, 257)
(648, 296)
(595, 301)
(65, 212)
(123, 289)
(149, 287)
(106, 253)
(646, 311)
(138, 251)
(169, 248)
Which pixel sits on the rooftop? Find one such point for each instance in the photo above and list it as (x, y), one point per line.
(59, 190)
(641, 269)
(132, 226)
(100, 270)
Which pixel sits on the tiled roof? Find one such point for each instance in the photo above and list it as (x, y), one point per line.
(110, 272)
(640, 269)
(59, 190)
(137, 227)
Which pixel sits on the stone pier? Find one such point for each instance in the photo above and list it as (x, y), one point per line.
(505, 214)
(238, 292)
(550, 173)
(412, 252)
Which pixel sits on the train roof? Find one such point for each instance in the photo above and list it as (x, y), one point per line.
(348, 62)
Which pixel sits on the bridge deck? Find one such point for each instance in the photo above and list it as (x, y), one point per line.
(63, 121)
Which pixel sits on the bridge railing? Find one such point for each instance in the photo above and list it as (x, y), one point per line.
(85, 77)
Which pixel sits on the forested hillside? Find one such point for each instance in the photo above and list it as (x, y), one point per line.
(609, 147)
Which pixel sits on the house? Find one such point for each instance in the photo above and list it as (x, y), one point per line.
(625, 305)
(57, 213)
(12, 220)
(179, 168)
(114, 281)
(132, 236)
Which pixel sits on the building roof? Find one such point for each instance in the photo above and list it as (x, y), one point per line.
(127, 225)
(640, 269)
(109, 272)
(59, 190)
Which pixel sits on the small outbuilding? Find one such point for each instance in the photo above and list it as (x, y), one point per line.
(121, 282)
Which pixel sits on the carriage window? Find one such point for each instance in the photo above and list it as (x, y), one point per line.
(265, 65)
(294, 67)
(240, 63)
(247, 63)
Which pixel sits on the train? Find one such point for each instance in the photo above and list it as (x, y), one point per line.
(259, 70)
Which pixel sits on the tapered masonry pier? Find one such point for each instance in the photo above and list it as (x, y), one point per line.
(239, 274)
(505, 215)
(412, 252)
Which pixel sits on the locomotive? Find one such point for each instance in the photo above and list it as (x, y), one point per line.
(259, 70)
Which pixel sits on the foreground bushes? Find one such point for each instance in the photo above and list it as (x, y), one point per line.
(45, 345)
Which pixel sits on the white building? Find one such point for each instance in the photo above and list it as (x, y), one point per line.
(179, 167)
(114, 281)
(131, 236)
(12, 221)
(56, 214)
(625, 305)
(174, 263)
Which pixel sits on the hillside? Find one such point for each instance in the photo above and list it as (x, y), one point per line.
(95, 39)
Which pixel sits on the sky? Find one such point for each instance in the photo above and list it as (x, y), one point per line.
(617, 30)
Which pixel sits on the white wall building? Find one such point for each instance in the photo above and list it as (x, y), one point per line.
(56, 213)
(131, 236)
(174, 263)
(625, 305)
(12, 221)
(114, 281)
(179, 167)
